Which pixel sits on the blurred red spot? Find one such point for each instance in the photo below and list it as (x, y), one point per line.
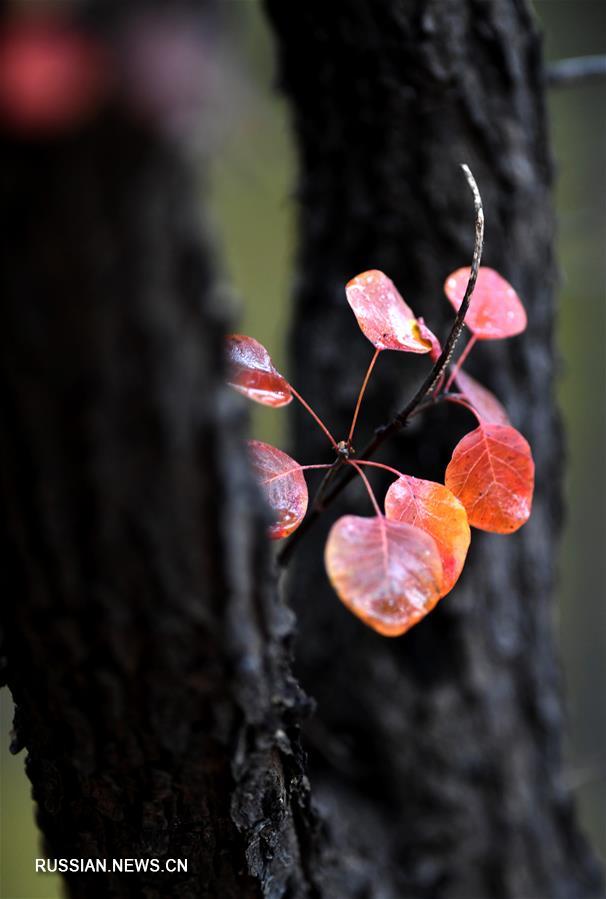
(50, 76)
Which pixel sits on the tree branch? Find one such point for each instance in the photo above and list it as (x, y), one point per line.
(424, 392)
(578, 70)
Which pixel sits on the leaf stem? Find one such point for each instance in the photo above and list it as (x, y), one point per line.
(361, 394)
(317, 418)
(470, 345)
(380, 465)
(461, 400)
(373, 498)
(325, 465)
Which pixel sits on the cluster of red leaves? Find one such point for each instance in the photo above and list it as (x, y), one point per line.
(391, 569)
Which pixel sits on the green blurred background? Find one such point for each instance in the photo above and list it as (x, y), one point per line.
(252, 173)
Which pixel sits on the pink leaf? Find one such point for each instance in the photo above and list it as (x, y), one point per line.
(383, 316)
(252, 372)
(283, 484)
(387, 573)
(495, 310)
(434, 509)
(483, 400)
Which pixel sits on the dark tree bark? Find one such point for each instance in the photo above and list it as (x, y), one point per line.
(451, 734)
(144, 640)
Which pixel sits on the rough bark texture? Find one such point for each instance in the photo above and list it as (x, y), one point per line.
(144, 642)
(452, 734)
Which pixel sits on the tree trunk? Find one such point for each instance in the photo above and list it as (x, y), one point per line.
(452, 734)
(144, 641)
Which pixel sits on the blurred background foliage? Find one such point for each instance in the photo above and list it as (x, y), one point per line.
(251, 190)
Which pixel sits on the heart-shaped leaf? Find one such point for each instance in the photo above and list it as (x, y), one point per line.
(387, 573)
(252, 372)
(495, 310)
(483, 400)
(383, 316)
(434, 509)
(283, 484)
(492, 473)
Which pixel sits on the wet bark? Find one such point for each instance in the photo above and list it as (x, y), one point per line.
(452, 734)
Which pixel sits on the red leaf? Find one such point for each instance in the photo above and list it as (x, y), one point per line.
(253, 372)
(483, 401)
(283, 484)
(492, 473)
(495, 310)
(387, 573)
(383, 316)
(434, 509)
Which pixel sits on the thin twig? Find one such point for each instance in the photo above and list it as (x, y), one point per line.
(431, 403)
(580, 69)
(425, 392)
(336, 466)
(429, 384)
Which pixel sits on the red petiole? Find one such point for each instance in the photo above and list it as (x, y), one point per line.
(395, 471)
(361, 394)
(460, 361)
(368, 487)
(461, 400)
(316, 417)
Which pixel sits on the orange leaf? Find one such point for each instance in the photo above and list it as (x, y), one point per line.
(387, 573)
(283, 484)
(492, 473)
(252, 372)
(434, 509)
(495, 310)
(483, 400)
(383, 316)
